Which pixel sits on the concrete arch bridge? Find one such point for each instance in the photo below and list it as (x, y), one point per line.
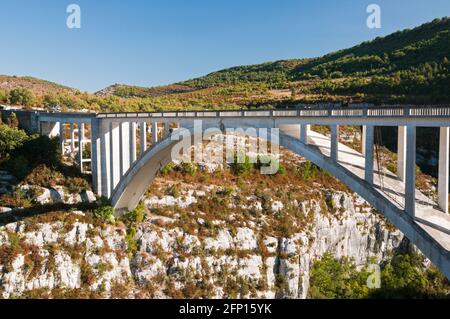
(124, 163)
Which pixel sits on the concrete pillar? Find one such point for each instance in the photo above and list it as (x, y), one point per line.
(401, 153)
(105, 158)
(410, 177)
(363, 140)
(444, 150)
(143, 133)
(80, 145)
(166, 129)
(368, 151)
(334, 142)
(155, 132)
(124, 147)
(115, 154)
(95, 156)
(72, 138)
(133, 155)
(304, 130)
(61, 137)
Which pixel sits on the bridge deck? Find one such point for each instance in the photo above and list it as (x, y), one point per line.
(428, 215)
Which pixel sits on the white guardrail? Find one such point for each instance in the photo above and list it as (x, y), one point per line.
(394, 111)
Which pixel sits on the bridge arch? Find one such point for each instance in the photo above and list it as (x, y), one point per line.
(139, 177)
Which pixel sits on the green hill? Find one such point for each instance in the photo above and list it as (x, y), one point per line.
(413, 61)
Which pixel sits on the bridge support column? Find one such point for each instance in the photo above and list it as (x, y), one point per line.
(143, 136)
(368, 151)
(166, 129)
(155, 132)
(304, 131)
(410, 177)
(61, 137)
(72, 137)
(443, 168)
(133, 155)
(95, 156)
(401, 153)
(334, 142)
(104, 139)
(80, 145)
(115, 155)
(363, 140)
(124, 147)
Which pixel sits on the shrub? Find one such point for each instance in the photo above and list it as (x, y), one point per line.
(77, 184)
(20, 166)
(189, 168)
(333, 278)
(104, 210)
(10, 140)
(137, 215)
(174, 191)
(21, 96)
(4, 95)
(308, 170)
(167, 169)
(241, 168)
(226, 191)
(131, 242)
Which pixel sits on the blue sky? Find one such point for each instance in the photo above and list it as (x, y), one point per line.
(146, 42)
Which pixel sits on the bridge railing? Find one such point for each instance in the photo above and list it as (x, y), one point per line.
(324, 111)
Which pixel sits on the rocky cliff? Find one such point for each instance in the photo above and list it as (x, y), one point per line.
(203, 234)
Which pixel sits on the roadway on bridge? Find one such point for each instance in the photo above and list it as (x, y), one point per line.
(435, 222)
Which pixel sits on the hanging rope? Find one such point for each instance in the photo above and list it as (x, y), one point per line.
(381, 173)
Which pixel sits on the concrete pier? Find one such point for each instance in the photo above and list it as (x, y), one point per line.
(401, 153)
(72, 137)
(304, 130)
(143, 136)
(95, 157)
(334, 142)
(443, 168)
(363, 139)
(133, 151)
(105, 156)
(410, 180)
(81, 138)
(125, 158)
(61, 137)
(115, 157)
(368, 151)
(155, 132)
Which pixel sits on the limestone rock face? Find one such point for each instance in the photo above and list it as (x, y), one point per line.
(79, 255)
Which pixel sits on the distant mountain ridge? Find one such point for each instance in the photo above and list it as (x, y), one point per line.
(402, 50)
(409, 66)
(38, 86)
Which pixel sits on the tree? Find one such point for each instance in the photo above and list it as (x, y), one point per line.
(4, 95)
(10, 139)
(22, 97)
(50, 100)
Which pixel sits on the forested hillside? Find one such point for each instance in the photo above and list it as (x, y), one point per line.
(409, 66)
